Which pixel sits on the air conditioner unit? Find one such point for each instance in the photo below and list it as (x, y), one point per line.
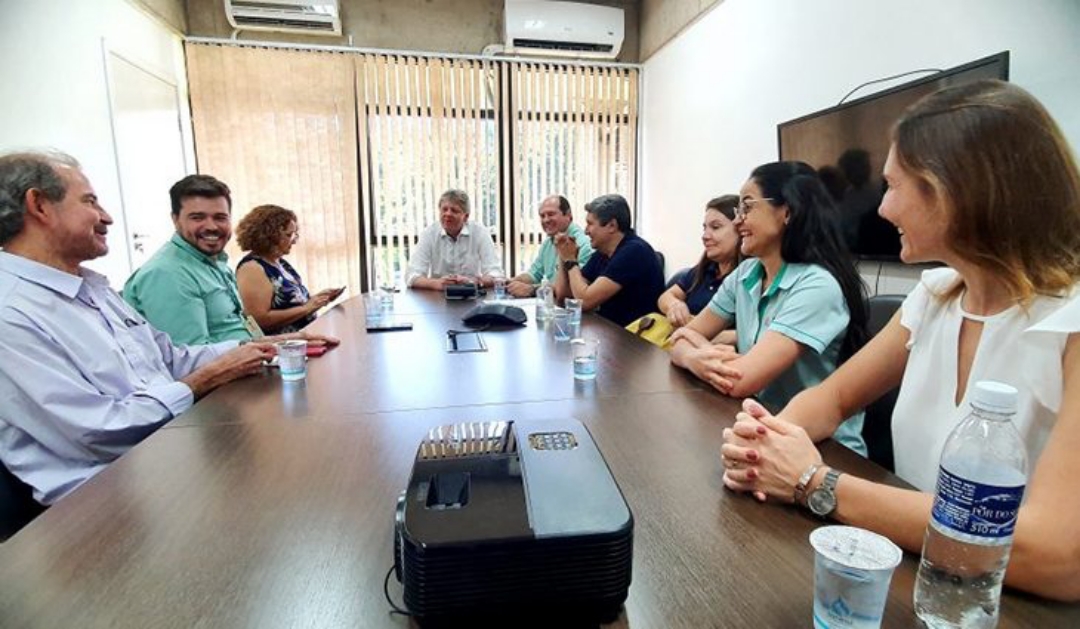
(563, 29)
(312, 17)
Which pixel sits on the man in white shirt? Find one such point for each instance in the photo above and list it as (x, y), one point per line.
(83, 376)
(455, 250)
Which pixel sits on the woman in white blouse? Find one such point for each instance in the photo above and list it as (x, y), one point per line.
(981, 179)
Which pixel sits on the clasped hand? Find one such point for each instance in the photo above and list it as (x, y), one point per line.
(711, 363)
(566, 247)
(764, 455)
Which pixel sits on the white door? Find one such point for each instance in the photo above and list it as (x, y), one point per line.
(149, 151)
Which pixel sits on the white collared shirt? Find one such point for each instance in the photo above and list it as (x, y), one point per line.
(83, 376)
(472, 253)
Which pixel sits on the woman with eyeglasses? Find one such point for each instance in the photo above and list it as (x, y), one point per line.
(692, 288)
(980, 178)
(271, 289)
(799, 302)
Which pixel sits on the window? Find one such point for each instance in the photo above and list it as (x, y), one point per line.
(361, 145)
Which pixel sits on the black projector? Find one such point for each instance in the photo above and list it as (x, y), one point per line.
(512, 522)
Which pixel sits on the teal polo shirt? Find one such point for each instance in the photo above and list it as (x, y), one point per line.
(188, 295)
(546, 264)
(805, 304)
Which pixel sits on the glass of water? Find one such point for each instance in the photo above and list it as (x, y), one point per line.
(500, 288)
(574, 306)
(373, 307)
(586, 352)
(560, 324)
(292, 359)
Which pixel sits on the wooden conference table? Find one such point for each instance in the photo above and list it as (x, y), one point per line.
(270, 504)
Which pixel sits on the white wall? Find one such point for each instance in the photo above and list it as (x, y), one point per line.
(713, 96)
(55, 90)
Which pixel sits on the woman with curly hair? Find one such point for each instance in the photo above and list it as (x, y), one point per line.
(271, 289)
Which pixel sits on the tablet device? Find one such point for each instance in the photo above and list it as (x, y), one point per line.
(388, 325)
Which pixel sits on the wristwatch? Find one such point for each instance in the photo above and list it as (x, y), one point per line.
(822, 501)
(804, 480)
(569, 264)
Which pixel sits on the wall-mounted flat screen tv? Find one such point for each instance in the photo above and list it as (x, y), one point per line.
(848, 145)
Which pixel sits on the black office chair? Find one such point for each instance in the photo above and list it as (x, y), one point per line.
(17, 505)
(660, 259)
(877, 424)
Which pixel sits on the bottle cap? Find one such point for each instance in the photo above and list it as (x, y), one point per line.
(996, 397)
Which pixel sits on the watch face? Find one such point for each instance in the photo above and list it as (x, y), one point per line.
(821, 501)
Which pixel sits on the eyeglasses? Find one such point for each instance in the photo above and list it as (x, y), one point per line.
(744, 206)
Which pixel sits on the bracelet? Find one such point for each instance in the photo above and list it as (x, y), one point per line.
(804, 480)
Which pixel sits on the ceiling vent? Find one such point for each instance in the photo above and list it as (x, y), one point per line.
(563, 29)
(311, 17)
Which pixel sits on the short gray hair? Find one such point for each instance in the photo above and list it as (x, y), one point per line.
(611, 207)
(458, 197)
(24, 171)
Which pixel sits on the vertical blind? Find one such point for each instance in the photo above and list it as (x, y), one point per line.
(573, 133)
(426, 125)
(361, 146)
(279, 126)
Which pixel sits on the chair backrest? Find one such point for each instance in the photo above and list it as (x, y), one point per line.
(17, 504)
(660, 259)
(881, 309)
(877, 424)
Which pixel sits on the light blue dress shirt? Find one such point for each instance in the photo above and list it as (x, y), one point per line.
(83, 377)
(805, 304)
(546, 265)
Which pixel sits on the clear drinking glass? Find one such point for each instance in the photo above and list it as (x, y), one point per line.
(574, 306)
(560, 324)
(292, 359)
(586, 353)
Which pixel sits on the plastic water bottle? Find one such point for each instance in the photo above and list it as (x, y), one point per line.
(980, 484)
(545, 300)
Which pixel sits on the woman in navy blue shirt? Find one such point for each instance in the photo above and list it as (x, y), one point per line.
(692, 288)
(272, 291)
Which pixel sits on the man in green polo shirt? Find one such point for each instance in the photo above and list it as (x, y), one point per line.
(555, 218)
(187, 288)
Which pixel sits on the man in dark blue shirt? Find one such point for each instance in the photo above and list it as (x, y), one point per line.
(623, 279)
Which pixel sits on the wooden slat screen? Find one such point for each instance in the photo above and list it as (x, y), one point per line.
(279, 126)
(427, 125)
(574, 132)
(361, 146)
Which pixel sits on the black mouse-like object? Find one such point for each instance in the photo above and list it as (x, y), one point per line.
(494, 315)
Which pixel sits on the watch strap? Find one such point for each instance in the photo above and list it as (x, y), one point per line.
(804, 480)
(569, 264)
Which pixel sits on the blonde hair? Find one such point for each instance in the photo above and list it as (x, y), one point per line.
(1001, 170)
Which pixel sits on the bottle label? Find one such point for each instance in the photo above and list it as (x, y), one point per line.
(974, 508)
